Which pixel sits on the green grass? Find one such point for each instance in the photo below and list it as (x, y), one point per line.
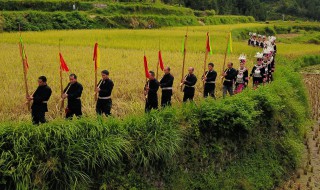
(250, 141)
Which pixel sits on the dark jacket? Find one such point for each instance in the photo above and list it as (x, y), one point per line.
(211, 77)
(191, 80)
(74, 94)
(153, 89)
(106, 87)
(166, 81)
(40, 98)
(231, 76)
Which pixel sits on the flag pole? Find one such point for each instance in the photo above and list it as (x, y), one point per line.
(158, 61)
(184, 56)
(225, 55)
(24, 70)
(206, 57)
(96, 73)
(61, 85)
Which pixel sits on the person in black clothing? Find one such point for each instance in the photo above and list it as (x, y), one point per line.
(104, 89)
(209, 79)
(166, 85)
(151, 88)
(229, 76)
(258, 71)
(73, 92)
(189, 82)
(40, 99)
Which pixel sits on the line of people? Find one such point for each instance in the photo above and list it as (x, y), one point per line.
(234, 81)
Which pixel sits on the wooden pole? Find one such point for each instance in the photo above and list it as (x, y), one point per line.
(225, 56)
(24, 71)
(158, 61)
(205, 59)
(61, 84)
(184, 56)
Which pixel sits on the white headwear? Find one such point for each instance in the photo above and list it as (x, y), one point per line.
(250, 33)
(259, 55)
(254, 34)
(268, 50)
(243, 57)
(273, 39)
(259, 36)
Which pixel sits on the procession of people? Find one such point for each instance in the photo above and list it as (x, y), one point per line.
(234, 81)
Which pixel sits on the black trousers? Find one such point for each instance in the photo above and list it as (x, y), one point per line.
(209, 90)
(257, 81)
(166, 98)
(38, 117)
(188, 93)
(74, 108)
(104, 107)
(151, 103)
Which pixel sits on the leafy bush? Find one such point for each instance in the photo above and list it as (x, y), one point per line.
(248, 141)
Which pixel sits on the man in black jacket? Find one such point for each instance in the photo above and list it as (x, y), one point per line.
(209, 79)
(229, 76)
(151, 89)
(104, 89)
(40, 100)
(166, 85)
(189, 83)
(73, 92)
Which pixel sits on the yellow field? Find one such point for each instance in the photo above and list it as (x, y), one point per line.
(122, 54)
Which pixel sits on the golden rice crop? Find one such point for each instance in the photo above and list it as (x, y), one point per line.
(122, 54)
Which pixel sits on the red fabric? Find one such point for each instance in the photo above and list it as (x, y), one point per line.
(63, 65)
(160, 61)
(208, 43)
(95, 55)
(146, 67)
(25, 62)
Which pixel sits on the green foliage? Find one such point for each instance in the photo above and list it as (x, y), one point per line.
(249, 141)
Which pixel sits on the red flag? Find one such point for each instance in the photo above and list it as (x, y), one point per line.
(96, 56)
(160, 61)
(209, 49)
(146, 67)
(63, 65)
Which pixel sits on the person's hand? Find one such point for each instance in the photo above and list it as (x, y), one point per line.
(184, 81)
(64, 96)
(147, 88)
(97, 89)
(29, 98)
(204, 79)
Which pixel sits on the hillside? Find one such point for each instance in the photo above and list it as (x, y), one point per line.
(48, 15)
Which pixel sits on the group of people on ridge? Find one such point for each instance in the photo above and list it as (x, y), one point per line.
(234, 81)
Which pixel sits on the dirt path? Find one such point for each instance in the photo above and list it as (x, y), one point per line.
(307, 176)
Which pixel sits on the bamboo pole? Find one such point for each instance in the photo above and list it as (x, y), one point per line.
(225, 57)
(205, 59)
(184, 56)
(61, 84)
(24, 71)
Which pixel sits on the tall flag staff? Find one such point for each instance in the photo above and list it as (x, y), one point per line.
(228, 51)
(146, 70)
(63, 67)
(208, 51)
(25, 65)
(184, 48)
(96, 59)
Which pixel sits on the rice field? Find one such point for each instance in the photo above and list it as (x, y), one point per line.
(122, 54)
